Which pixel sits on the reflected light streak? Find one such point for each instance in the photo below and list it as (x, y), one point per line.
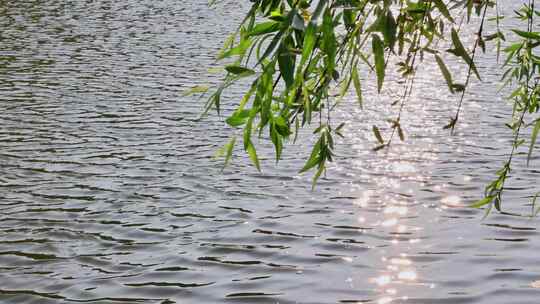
(385, 300)
(363, 200)
(390, 222)
(401, 228)
(452, 201)
(382, 280)
(401, 262)
(414, 241)
(408, 275)
(400, 210)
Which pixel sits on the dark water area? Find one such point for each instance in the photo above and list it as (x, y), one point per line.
(109, 192)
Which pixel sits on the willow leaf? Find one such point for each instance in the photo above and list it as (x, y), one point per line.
(378, 50)
(446, 73)
(443, 9)
(265, 28)
(460, 51)
(357, 86)
(482, 202)
(309, 42)
(378, 134)
(229, 148)
(238, 70)
(534, 136)
(253, 155)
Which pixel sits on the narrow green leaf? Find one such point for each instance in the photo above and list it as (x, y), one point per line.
(238, 118)
(265, 28)
(286, 62)
(271, 46)
(238, 70)
(443, 9)
(248, 130)
(528, 35)
(379, 147)
(535, 213)
(378, 134)
(253, 155)
(400, 133)
(341, 125)
(240, 49)
(378, 50)
(446, 73)
(314, 158)
(357, 86)
(317, 175)
(534, 136)
(196, 90)
(229, 151)
(482, 202)
(389, 29)
(307, 105)
(309, 42)
(460, 51)
(513, 47)
(277, 141)
(329, 43)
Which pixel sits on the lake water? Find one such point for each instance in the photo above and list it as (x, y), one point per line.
(109, 192)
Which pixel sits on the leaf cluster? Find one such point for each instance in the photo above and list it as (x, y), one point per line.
(296, 54)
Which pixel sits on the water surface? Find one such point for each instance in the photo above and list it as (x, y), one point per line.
(109, 192)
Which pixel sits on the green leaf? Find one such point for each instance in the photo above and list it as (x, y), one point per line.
(357, 86)
(240, 49)
(329, 43)
(286, 64)
(446, 73)
(277, 141)
(460, 51)
(378, 50)
(534, 136)
(317, 175)
(528, 35)
(389, 30)
(238, 70)
(400, 132)
(348, 17)
(486, 200)
(379, 147)
(196, 90)
(378, 134)
(253, 155)
(535, 213)
(443, 9)
(265, 28)
(309, 42)
(282, 127)
(341, 125)
(248, 129)
(314, 158)
(513, 47)
(238, 118)
(229, 150)
(271, 46)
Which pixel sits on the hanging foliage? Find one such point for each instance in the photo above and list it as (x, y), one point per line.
(295, 52)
